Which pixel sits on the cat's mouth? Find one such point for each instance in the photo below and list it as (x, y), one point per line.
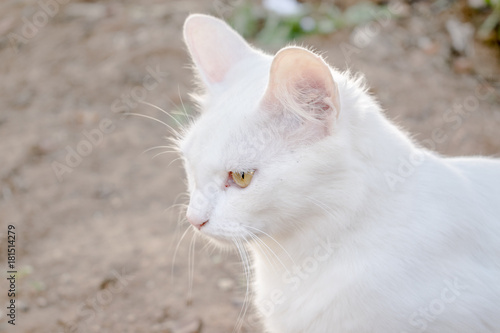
(227, 234)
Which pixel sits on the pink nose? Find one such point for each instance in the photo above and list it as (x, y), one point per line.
(196, 223)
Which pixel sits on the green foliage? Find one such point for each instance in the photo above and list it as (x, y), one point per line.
(24, 271)
(38, 285)
(492, 22)
(253, 21)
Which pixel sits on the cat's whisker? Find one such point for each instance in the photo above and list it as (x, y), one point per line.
(183, 113)
(191, 253)
(182, 207)
(258, 242)
(246, 300)
(176, 159)
(155, 147)
(177, 249)
(177, 230)
(161, 110)
(181, 217)
(174, 142)
(190, 118)
(185, 193)
(172, 149)
(274, 240)
(286, 268)
(206, 247)
(237, 244)
(256, 239)
(178, 205)
(166, 152)
(154, 119)
(246, 268)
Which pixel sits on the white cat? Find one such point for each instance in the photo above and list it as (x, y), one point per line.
(296, 161)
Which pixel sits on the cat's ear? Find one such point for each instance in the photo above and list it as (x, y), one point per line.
(214, 46)
(301, 86)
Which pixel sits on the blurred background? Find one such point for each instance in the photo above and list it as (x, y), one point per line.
(97, 214)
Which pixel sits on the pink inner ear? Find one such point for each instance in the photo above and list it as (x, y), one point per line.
(217, 59)
(318, 97)
(214, 46)
(217, 75)
(213, 63)
(214, 71)
(301, 84)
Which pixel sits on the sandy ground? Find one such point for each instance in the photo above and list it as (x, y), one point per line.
(94, 216)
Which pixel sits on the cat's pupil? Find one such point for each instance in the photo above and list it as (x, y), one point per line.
(242, 175)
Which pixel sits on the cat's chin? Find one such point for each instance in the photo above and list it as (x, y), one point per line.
(223, 241)
(219, 242)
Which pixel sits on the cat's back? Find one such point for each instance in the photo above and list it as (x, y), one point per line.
(458, 193)
(479, 169)
(467, 179)
(455, 205)
(479, 178)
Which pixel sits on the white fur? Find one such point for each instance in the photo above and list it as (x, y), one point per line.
(364, 246)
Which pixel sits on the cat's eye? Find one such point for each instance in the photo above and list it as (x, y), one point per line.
(242, 179)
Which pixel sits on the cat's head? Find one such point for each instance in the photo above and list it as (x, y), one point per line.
(255, 157)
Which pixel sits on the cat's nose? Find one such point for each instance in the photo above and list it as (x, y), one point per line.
(196, 222)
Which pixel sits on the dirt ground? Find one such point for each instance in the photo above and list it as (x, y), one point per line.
(94, 214)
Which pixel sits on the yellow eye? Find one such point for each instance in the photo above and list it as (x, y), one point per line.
(242, 179)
